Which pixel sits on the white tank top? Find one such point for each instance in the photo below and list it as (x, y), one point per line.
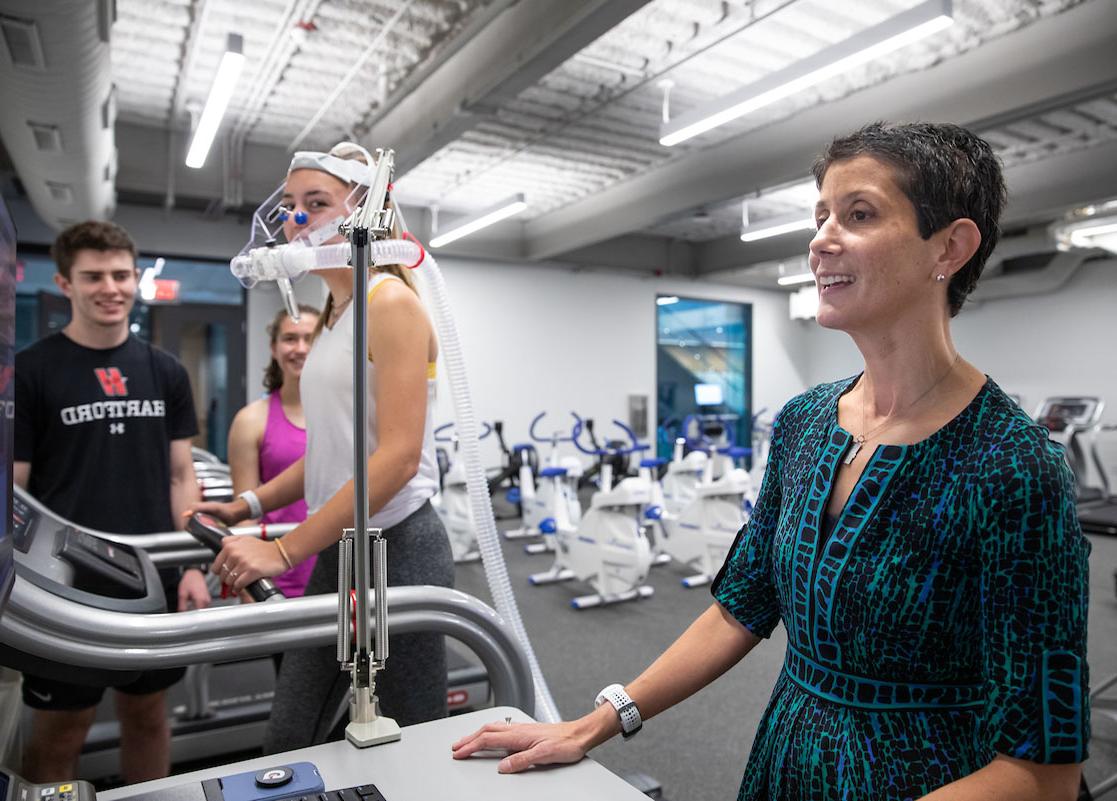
(326, 387)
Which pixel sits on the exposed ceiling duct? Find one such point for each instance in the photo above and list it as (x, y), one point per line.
(1029, 264)
(57, 95)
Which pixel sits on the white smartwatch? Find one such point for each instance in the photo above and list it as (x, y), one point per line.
(625, 706)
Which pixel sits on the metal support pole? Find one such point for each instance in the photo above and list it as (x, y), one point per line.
(367, 727)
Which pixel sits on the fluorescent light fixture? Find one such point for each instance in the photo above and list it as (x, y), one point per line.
(803, 303)
(469, 225)
(666, 301)
(1090, 236)
(899, 31)
(777, 226)
(795, 280)
(1099, 233)
(224, 83)
(1095, 227)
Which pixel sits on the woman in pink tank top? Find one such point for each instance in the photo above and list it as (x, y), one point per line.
(268, 435)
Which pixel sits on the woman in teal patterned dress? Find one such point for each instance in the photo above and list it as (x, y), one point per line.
(915, 532)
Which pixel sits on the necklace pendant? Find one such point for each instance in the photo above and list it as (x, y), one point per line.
(853, 451)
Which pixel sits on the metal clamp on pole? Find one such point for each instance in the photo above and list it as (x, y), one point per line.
(366, 727)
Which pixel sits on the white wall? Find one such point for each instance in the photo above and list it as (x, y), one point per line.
(1063, 343)
(548, 338)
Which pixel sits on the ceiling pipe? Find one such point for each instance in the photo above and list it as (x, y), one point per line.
(58, 106)
(343, 84)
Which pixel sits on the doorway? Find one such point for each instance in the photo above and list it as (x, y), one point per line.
(209, 341)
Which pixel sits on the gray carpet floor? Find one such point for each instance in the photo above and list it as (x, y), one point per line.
(698, 749)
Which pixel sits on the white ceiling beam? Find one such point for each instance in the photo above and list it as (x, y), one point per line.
(1060, 55)
(520, 46)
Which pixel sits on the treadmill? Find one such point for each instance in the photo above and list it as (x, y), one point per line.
(1075, 423)
(1099, 516)
(229, 692)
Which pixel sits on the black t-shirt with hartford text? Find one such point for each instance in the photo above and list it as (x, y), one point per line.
(96, 426)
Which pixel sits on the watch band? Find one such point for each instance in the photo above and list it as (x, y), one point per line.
(631, 722)
(255, 510)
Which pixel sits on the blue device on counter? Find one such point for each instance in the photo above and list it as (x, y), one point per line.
(269, 784)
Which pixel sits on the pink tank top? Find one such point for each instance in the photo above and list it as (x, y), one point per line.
(282, 445)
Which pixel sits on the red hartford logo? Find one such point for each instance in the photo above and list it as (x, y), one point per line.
(113, 383)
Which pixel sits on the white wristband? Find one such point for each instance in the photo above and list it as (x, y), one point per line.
(614, 694)
(255, 510)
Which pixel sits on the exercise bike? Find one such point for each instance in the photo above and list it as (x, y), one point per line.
(452, 502)
(508, 477)
(557, 487)
(697, 527)
(608, 549)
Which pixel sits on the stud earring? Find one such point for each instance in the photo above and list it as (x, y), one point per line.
(940, 277)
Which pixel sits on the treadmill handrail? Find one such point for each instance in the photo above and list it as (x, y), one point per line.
(54, 628)
(160, 541)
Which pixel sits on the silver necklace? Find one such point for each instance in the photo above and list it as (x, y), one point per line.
(894, 418)
(337, 309)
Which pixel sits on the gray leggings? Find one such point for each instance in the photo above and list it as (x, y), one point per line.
(412, 688)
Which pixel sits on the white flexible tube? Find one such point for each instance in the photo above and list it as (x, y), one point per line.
(488, 541)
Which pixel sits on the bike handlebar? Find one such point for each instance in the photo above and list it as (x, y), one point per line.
(554, 438)
(487, 430)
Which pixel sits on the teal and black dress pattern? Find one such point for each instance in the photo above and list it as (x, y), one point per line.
(942, 620)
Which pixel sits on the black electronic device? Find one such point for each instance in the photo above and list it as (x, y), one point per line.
(14, 788)
(211, 532)
(100, 565)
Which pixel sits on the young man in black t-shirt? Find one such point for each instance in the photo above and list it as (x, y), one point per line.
(102, 437)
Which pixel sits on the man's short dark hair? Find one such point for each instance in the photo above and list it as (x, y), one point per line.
(89, 235)
(947, 172)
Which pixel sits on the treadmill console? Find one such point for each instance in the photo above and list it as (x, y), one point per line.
(24, 519)
(13, 788)
(64, 559)
(101, 566)
(1078, 413)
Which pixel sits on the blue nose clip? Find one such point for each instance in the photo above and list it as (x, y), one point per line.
(300, 217)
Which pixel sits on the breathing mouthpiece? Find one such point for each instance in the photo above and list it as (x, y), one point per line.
(286, 261)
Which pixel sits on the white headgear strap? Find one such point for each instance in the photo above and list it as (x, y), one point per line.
(349, 170)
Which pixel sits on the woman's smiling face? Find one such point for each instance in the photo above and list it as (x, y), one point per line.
(321, 196)
(870, 263)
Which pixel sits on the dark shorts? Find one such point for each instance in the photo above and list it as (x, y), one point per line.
(40, 692)
(50, 692)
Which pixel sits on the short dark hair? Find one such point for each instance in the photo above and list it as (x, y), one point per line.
(89, 235)
(947, 172)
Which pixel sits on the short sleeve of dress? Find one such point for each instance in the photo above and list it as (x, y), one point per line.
(1034, 600)
(744, 584)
